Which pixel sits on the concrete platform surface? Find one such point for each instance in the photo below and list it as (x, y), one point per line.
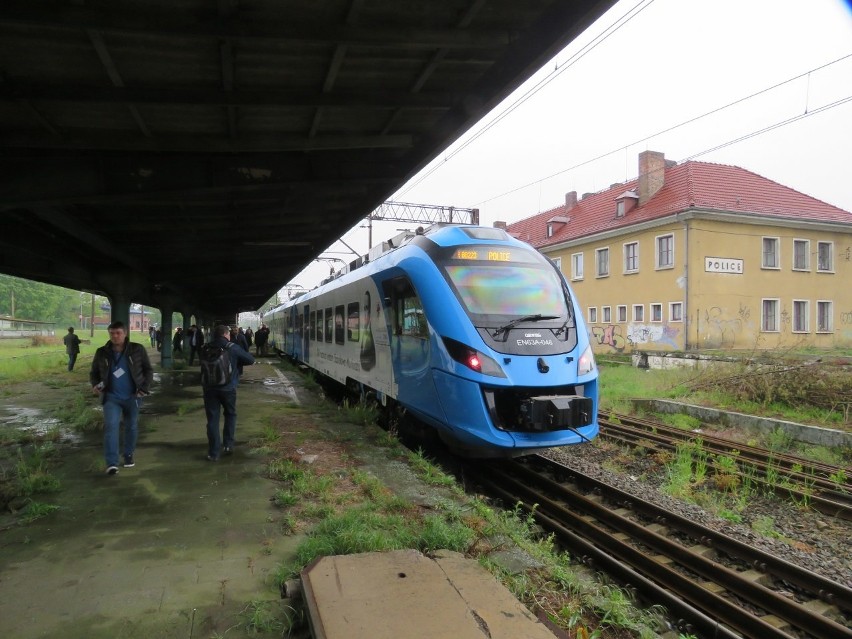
(407, 594)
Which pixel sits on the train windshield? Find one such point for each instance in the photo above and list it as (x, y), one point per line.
(505, 283)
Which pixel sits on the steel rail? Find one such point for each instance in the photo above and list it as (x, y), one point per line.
(700, 597)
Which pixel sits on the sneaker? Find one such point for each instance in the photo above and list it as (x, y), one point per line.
(212, 458)
(128, 461)
(229, 450)
(112, 470)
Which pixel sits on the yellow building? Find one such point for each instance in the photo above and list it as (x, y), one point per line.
(702, 256)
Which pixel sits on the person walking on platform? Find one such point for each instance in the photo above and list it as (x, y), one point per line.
(72, 347)
(152, 333)
(121, 374)
(261, 337)
(196, 341)
(220, 363)
(177, 340)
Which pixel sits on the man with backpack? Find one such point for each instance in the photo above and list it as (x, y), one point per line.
(220, 363)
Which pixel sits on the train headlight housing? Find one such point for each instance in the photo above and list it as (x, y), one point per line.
(472, 358)
(586, 364)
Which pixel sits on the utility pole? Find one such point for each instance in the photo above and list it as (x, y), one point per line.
(92, 320)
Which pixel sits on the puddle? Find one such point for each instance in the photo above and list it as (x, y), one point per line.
(34, 421)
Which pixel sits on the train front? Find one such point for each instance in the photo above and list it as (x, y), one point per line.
(517, 372)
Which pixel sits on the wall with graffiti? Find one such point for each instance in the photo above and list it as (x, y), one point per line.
(618, 337)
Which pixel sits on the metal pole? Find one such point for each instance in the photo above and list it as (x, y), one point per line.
(92, 318)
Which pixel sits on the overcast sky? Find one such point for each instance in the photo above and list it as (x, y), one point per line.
(601, 102)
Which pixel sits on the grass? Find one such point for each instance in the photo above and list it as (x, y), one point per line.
(375, 519)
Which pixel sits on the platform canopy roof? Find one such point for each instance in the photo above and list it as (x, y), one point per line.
(197, 154)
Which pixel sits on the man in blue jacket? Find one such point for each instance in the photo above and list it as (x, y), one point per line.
(222, 396)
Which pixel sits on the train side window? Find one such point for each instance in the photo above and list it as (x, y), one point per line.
(329, 324)
(320, 325)
(353, 322)
(407, 313)
(338, 324)
(313, 330)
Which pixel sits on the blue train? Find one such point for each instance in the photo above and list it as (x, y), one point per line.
(466, 328)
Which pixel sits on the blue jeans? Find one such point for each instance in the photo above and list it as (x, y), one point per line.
(114, 410)
(213, 400)
(72, 357)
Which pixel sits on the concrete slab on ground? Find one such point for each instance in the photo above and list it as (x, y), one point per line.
(407, 594)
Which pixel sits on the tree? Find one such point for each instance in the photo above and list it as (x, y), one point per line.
(35, 300)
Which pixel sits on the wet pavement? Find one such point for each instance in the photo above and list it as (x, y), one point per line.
(175, 547)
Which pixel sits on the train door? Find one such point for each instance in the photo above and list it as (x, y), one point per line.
(410, 344)
(306, 336)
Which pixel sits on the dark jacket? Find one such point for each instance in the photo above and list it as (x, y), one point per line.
(239, 356)
(137, 358)
(72, 343)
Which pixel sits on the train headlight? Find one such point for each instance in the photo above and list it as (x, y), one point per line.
(587, 362)
(472, 358)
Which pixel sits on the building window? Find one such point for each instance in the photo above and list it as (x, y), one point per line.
(577, 266)
(638, 312)
(619, 208)
(631, 257)
(825, 257)
(656, 312)
(801, 255)
(676, 311)
(621, 313)
(800, 316)
(593, 314)
(770, 253)
(602, 262)
(769, 316)
(549, 230)
(665, 251)
(606, 312)
(824, 317)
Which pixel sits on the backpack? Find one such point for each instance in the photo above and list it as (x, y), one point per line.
(216, 368)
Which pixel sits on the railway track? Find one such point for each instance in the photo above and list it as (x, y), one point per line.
(714, 585)
(823, 487)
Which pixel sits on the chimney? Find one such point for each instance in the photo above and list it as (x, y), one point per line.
(652, 165)
(570, 200)
(500, 225)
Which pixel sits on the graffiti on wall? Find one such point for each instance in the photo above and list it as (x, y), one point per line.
(846, 317)
(721, 331)
(637, 334)
(609, 335)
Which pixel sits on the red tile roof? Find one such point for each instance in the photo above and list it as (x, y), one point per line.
(688, 186)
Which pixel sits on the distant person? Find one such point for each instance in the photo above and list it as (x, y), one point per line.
(261, 338)
(238, 337)
(196, 341)
(159, 335)
(177, 340)
(249, 337)
(152, 333)
(224, 395)
(72, 347)
(121, 374)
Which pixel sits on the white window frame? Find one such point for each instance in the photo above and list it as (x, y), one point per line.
(765, 326)
(830, 268)
(829, 327)
(638, 312)
(775, 253)
(619, 208)
(658, 264)
(656, 311)
(807, 244)
(627, 269)
(672, 307)
(606, 314)
(550, 229)
(576, 266)
(593, 314)
(621, 313)
(558, 262)
(598, 253)
(805, 315)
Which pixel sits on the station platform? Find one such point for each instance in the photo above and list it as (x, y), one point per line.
(180, 547)
(407, 594)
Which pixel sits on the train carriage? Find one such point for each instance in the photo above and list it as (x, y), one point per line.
(470, 330)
